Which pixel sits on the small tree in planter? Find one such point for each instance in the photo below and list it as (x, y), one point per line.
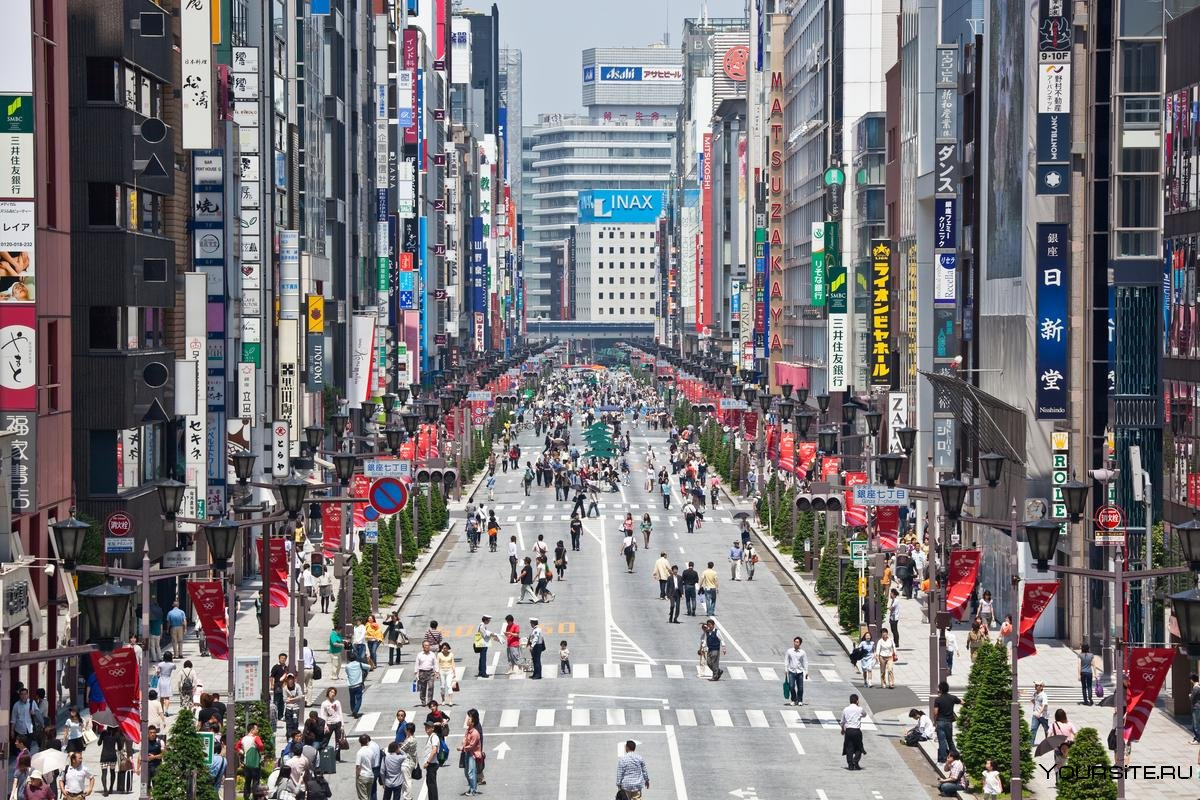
(1086, 774)
(849, 602)
(183, 772)
(985, 720)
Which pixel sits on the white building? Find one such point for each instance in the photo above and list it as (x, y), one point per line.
(616, 256)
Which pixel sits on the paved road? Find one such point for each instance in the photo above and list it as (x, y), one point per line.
(635, 676)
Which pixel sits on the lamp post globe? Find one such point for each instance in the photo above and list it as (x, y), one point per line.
(339, 423)
(432, 407)
(786, 389)
(874, 421)
(802, 395)
(764, 402)
(402, 394)
(343, 466)
(170, 496)
(803, 422)
(993, 466)
(70, 535)
(849, 412)
(222, 536)
(908, 439)
(106, 607)
(890, 465)
(1186, 606)
(411, 421)
(1188, 534)
(827, 440)
(394, 437)
(785, 410)
(314, 435)
(823, 403)
(369, 409)
(1075, 494)
(1042, 538)
(292, 492)
(749, 393)
(243, 465)
(954, 494)
(389, 403)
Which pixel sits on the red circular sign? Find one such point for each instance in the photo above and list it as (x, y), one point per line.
(1109, 518)
(118, 524)
(733, 64)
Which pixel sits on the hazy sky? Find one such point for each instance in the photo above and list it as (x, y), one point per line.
(552, 35)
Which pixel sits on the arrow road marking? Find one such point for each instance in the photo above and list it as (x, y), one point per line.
(501, 750)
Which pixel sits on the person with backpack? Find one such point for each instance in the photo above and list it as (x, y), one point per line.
(493, 531)
(187, 684)
(432, 758)
(527, 480)
(251, 749)
(629, 550)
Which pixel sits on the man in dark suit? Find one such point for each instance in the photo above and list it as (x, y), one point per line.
(674, 594)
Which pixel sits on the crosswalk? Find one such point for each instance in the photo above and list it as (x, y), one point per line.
(1055, 695)
(511, 719)
(561, 512)
(642, 670)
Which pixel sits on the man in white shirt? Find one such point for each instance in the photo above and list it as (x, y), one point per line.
(76, 781)
(513, 559)
(795, 662)
(359, 640)
(308, 663)
(24, 715)
(426, 666)
(1041, 711)
(852, 740)
(364, 767)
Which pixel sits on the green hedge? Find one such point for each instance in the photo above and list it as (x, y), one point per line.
(985, 719)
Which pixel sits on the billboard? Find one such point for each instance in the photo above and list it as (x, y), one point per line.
(631, 206)
(635, 73)
(1051, 334)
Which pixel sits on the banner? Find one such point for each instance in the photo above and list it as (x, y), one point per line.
(887, 527)
(1036, 597)
(831, 467)
(1052, 345)
(787, 452)
(854, 515)
(360, 485)
(773, 443)
(1148, 667)
(331, 528)
(964, 567)
(362, 343)
(278, 571)
(208, 598)
(806, 454)
(114, 685)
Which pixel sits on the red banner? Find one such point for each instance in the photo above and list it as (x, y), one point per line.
(331, 528)
(1148, 668)
(750, 420)
(964, 567)
(360, 485)
(787, 452)
(1036, 597)
(117, 675)
(887, 527)
(854, 515)
(208, 598)
(807, 456)
(772, 442)
(1193, 489)
(278, 570)
(831, 467)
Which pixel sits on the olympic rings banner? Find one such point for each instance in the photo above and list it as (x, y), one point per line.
(279, 570)
(114, 685)
(208, 598)
(964, 567)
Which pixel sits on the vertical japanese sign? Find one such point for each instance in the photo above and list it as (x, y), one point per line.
(776, 144)
(818, 264)
(1055, 39)
(289, 274)
(314, 343)
(1060, 473)
(837, 293)
(247, 102)
(195, 27)
(208, 238)
(762, 252)
(704, 274)
(838, 352)
(1052, 350)
(195, 446)
(880, 359)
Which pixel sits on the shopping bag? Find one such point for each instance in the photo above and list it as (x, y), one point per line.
(787, 689)
(703, 603)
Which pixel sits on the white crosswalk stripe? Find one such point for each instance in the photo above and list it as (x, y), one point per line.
(510, 717)
(757, 718)
(612, 670)
(830, 675)
(768, 674)
(580, 717)
(544, 718)
(674, 671)
(641, 670)
(685, 717)
(737, 673)
(367, 722)
(791, 718)
(579, 670)
(828, 720)
(393, 675)
(616, 716)
(721, 718)
(651, 717)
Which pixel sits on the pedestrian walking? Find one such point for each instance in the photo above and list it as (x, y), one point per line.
(471, 751)
(177, 625)
(331, 715)
(661, 573)
(795, 665)
(735, 560)
(647, 529)
(885, 654)
(943, 719)
(513, 559)
(560, 560)
(1083, 671)
(987, 609)
(527, 480)
(664, 487)
(336, 649)
(689, 516)
(713, 650)
(447, 674)
(689, 578)
(749, 560)
(537, 645)
(526, 578)
(674, 587)
(393, 634)
(1062, 727)
(632, 773)
(894, 620)
(951, 652)
(364, 768)
(512, 642)
(356, 678)
(576, 531)
(866, 657)
(483, 635)
(629, 550)
(975, 639)
(708, 585)
(251, 749)
(852, 738)
(1040, 711)
(426, 666)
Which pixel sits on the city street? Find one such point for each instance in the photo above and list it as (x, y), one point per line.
(634, 676)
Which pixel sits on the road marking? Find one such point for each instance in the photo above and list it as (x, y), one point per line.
(510, 717)
(728, 637)
(612, 670)
(544, 718)
(520, 536)
(393, 675)
(831, 676)
(796, 743)
(579, 670)
(685, 717)
(528, 518)
(828, 721)
(674, 671)
(758, 719)
(768, 674)
(563, 765)
(495, 658)
(651, 717)
(547, 517)
(737, 673)
(511, 600)
(821, 795)
(868, 724)
(615, 716)
(676, 765)
(721, 718)
(367, 722)
(580, 717)
(641, 670)
(791, 718)
(676, 535)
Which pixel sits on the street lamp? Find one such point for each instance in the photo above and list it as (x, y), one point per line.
(394, 437)
(804, 421)
(874, 419)
(69, 535)
(343, 466)
(411, 421)
(908, 439)
(827, 440)
(1075, 494)
(749, 393)
(339, 423)
(222, 536)
(890, 465)
(292, 491)
(849, 412)
(313, 436)
(170, 496)
(1042, 536)
(993, 465)
(785, 410)
(764, 402)
(1186, 606)
(402, 395)
(243, 465)
(954, 494)
(389, 404)
(106, 607)
(802, 395)
(431, 410)
(736, 387)
(1189, 541)
(823, 403)
(786, 388)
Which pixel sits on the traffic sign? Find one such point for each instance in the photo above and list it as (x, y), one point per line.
(858, 553)
(871, 495)
(387, 468)
(371, 533)
(388, 495)
(732, 404)
(1109, 518)
(118, 524)
(118, 545)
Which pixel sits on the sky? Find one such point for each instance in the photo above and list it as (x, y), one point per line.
(551, 44)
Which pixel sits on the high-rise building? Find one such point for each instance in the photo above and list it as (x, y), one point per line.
(616, 264)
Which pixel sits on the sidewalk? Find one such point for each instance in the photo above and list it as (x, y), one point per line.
(1164, 742)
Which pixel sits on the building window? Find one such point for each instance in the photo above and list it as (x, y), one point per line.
(104, 205)
(610, 310)
(652, 280)
(103, 80)
(104, 328)
(53, 377)
(652, 295)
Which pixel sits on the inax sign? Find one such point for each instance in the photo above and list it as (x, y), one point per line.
(633, 74)
(601, 206)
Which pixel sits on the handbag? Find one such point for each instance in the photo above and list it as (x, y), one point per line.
(1099, 689)
(343, 743)
(462, 760)
(89, 735)
(316, 672)
(415, 774)
(124, 762)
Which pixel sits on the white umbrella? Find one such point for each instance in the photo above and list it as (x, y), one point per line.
(47, 761)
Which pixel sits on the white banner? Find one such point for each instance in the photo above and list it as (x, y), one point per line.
(195, 24)
(839, 346)
(897, 417)
(362, 344)
(289, 275)
(280, 449)
(245, 390)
